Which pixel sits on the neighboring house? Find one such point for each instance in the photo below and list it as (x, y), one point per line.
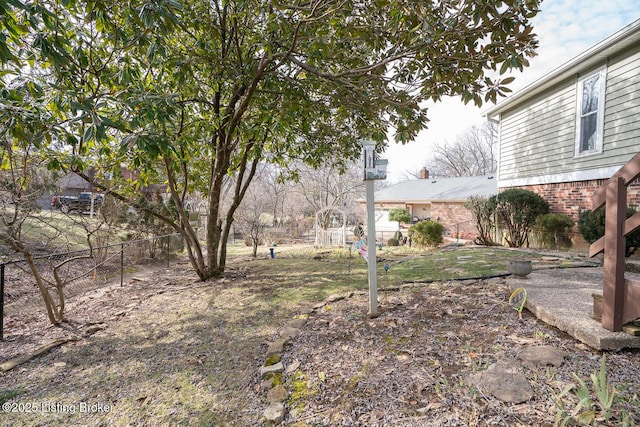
(73, 184)
(438, 199)
(568, 132)
(69, 184)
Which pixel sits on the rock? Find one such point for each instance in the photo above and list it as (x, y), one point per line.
(266, 385)
(293, 366)
(297, 323)
(543, 355)
(307, 311)
(274, 413)
(94, 328)
(334, 298)
(276, 347)
(273, 369)
(289, 332)
(504, 382)
(277, 394)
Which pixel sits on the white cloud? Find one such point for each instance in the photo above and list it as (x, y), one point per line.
(565, 28)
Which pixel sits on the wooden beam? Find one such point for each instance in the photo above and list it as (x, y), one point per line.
(596, 247)
(632, 300)
(629, 172)
(630, 225)
(614, 249)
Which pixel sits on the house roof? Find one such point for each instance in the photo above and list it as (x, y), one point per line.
(438, 189)
(596, 55)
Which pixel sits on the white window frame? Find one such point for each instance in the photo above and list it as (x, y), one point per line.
(599, 134)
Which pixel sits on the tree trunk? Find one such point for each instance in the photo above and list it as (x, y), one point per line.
(54, 314)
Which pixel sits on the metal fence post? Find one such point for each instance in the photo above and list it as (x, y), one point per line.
(168, 250)
(121, 264)
(1, 302)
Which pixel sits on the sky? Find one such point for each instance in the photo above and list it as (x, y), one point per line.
(565, 29)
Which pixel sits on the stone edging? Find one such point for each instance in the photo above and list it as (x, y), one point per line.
(271, 371)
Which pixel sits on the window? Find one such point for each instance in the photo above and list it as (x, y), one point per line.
(590, 114)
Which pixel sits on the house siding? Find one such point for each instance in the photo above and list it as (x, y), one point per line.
(539, 131)
(538, 139)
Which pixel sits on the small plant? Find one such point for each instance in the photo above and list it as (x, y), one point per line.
(400, 215)
(6, 395)
(426, 233)
(588, 411)
(553, 230)
(483, 210)
(393, 242)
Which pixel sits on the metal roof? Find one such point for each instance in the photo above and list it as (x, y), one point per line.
(438, 189)
(625, 38)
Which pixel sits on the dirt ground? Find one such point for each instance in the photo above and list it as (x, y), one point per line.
(167, 349)
(414, 365)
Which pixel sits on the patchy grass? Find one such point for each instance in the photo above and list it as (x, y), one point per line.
(51, 231)
(328, 270)
(451, 264)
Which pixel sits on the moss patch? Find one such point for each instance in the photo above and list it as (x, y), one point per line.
(272, 360)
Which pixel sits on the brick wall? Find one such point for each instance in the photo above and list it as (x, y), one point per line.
(451, 214)
(571, 198)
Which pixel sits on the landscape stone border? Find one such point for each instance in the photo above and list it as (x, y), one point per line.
(272, 370)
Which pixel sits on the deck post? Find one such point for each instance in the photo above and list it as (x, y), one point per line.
(614, 255)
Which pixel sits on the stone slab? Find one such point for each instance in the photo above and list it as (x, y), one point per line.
(562, 298)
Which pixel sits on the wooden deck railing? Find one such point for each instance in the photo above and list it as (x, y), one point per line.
(621, 297)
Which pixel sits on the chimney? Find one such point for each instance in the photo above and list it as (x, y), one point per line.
(424, 173)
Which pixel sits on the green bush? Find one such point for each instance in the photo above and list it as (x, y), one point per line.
(517, 211)
(553, 230)
(483, 210)
(400, 215)
(591, 227)
(393, 242)
(398, 235)
(426, 233)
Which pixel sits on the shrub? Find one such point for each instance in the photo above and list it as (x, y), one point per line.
(398, 235)
(426, 233)
(483, 210)
(393, 242)
(517, 211)
(553, 230)
(591, 227)
(400, 215)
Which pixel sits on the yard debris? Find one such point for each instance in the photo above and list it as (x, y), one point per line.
(10, 364)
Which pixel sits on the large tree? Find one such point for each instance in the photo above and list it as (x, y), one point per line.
(196, 94)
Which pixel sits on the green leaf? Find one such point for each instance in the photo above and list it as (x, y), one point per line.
(89, 133)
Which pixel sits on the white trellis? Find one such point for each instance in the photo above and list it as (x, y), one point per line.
(332, 236)
(198, 210)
